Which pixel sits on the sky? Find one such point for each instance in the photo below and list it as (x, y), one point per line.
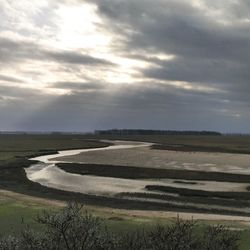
(81, 65)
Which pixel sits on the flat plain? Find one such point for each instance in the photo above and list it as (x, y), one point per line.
(194, 154)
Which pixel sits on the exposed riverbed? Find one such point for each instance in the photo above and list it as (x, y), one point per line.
(48, 174)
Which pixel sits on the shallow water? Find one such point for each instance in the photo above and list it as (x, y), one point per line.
(48, 174)
(119, 145)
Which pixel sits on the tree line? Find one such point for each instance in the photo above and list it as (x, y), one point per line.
(153, 132)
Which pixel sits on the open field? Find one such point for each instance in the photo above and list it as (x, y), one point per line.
(21, 145)
(16, 146)
(17, 211)
(126, 213)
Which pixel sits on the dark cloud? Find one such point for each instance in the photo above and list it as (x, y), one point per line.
(86, 111)
(19, 51)
(5, 78)
(127, 106)
(210, 49)
(75, 58)
(16, 51)
(22, 94)
(220, 73)
(175, 27)
(79, 86)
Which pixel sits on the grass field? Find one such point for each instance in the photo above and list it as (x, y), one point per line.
(13, 147)
(15, 215)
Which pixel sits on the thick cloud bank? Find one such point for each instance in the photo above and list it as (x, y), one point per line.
(163, 64)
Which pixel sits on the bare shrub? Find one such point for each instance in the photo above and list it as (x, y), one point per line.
(73, 229)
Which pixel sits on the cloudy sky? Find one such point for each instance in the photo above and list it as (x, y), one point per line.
(79, 65)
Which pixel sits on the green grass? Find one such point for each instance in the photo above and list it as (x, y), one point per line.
(245, 240)
(15, 216)
(12, 212)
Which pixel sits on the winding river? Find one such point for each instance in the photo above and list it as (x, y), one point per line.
(48, 174)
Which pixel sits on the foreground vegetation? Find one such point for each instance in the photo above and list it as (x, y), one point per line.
(18, 212)
(71, 229)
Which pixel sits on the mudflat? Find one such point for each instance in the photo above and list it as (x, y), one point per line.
(153, 158)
